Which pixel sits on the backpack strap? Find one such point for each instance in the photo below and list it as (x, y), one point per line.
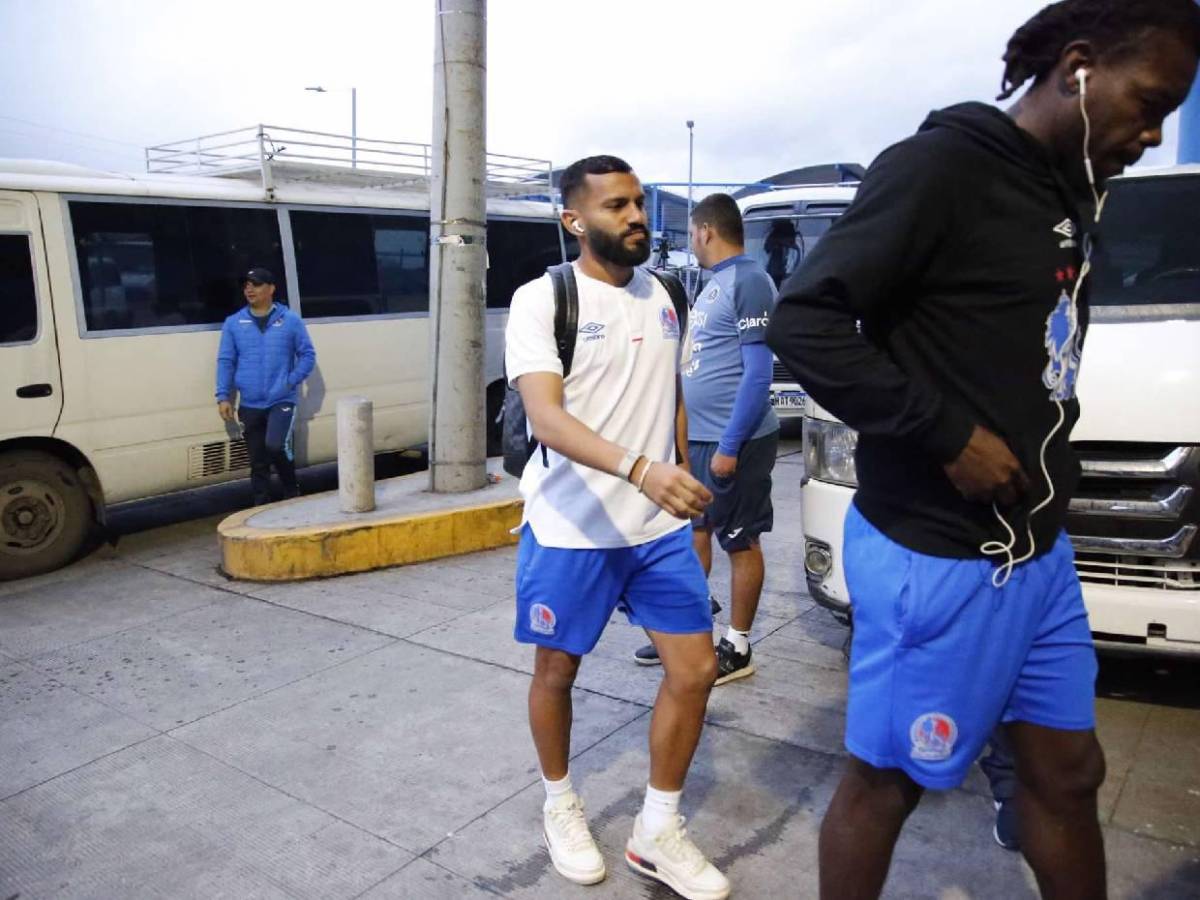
(566, 328)
(679, 300)
(566, 312)
(679, 296)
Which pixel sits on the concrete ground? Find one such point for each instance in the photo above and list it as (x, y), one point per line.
(165, 732)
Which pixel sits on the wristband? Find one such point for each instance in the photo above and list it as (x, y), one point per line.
(625, 466)
(645, 472)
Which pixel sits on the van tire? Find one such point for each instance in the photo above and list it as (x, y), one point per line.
(45, 513)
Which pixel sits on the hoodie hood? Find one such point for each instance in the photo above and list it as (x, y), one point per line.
(995, 131)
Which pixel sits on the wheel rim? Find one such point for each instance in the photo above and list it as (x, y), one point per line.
(31, 516)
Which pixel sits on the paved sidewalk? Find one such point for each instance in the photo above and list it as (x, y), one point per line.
(167, 733)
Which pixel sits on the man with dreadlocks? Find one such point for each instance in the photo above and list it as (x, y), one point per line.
(943, 317)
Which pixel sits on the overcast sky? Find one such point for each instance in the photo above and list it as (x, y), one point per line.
(771, 84)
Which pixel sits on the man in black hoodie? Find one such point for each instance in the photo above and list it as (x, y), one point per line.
(943, 318)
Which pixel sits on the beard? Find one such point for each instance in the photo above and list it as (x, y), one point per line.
(613, 248)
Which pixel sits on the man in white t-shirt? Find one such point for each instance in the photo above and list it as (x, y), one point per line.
(607, 519)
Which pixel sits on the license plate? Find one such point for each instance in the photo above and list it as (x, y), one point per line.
(787, 399)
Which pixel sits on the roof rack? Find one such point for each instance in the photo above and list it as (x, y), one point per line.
(273, 154)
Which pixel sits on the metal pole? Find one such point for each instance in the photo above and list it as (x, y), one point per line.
(458, 228)
(562, 241)
(354, 128)
(688, 224)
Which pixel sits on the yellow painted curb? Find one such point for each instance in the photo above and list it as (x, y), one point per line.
(291, 554)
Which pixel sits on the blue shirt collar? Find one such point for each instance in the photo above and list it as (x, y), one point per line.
(732, 261)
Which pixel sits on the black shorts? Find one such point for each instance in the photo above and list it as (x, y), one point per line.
(741, 509)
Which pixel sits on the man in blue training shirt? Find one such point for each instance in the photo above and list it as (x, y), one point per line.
(733, 433)
(265, 356)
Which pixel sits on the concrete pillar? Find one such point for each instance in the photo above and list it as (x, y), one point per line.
(356, 454)
(457, 265)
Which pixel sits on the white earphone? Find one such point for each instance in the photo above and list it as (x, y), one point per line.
(578, 228)
(1006, 548)
(1081, 75)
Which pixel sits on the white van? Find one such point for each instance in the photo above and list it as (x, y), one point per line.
(113, 289)
(782, 226)
(1135, 519)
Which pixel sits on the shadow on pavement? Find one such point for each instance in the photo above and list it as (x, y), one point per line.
(212, 500)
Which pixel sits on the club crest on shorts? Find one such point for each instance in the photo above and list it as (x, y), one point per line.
(933, 735)
(542, 619)
(670, 322)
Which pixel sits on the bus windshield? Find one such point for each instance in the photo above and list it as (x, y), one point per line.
(779, 244)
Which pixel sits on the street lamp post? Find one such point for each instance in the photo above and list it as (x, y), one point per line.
(353, 120)
(690, 126)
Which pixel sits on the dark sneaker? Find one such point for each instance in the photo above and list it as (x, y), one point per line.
(646, 656)
(1005, 829)
(732, 665)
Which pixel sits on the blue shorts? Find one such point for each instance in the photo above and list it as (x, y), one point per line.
(566, 597)
(940, 655)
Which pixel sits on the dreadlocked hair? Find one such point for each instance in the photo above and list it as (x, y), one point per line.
(1111, 26)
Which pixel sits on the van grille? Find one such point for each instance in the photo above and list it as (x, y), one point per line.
(1135, 516)
(217, 458)
(780, 374)
(1137, 571)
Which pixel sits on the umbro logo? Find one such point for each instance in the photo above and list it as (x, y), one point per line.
(592, 331)
(1066, 228)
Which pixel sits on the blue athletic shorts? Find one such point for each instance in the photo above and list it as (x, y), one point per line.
(566, 597)
(940, 655)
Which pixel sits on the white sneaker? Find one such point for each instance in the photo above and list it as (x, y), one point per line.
(572, 849)
(673, 859)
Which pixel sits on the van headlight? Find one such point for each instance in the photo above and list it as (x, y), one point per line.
(829, 452)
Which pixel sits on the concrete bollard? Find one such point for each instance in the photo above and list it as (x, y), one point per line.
(356, 455)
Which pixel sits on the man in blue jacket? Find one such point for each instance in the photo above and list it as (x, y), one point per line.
(265, 356)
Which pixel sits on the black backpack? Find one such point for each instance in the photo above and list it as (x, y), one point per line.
(517, 445)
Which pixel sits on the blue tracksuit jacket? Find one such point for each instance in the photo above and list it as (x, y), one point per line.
(265, 367)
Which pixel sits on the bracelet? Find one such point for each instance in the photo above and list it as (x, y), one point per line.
(645, 472)
(625, 466)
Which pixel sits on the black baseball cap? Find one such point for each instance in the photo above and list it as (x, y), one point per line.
(259, 275)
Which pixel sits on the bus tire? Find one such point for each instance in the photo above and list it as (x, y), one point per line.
(493, 424)
(45, 513)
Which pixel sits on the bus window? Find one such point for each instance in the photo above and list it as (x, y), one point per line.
(518, 252)
(18, 302)
(780, 244)
(151, 265)
(361, 264)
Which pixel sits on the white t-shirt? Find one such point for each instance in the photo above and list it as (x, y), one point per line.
(621, 385)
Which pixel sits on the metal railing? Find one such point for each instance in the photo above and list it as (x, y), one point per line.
(275, 151)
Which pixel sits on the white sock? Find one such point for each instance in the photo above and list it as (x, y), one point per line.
(659, 810)
(558, 791)
(739, 639)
